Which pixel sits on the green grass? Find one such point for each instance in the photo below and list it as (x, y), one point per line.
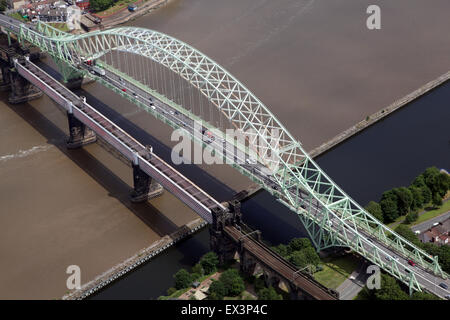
(335, 271)
(424, 217)
(119, 5)
(17, 16)
(433, 213)
(176, 294)
(60, 26)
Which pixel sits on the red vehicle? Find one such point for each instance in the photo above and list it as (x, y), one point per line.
(124, 90)
(412, 263)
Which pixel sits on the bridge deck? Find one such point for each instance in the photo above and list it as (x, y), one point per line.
(168, 177)
(281, 266)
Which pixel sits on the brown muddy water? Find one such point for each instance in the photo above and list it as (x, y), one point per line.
(313, 63)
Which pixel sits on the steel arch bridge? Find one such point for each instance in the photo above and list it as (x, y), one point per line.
(331, 217)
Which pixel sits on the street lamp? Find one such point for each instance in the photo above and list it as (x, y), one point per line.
(298, 271)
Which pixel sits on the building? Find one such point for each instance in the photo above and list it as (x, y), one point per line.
(83, 4)
(439, 234)
(15, 4)
(73, 17)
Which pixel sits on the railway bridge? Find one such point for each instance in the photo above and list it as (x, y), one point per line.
(187, 90)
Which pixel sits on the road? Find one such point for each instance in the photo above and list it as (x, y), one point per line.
(387, 254)
(429, 223)
(343, 229)
(350, 288)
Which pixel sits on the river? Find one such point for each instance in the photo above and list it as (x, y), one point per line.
(312, 62)
(389, 154)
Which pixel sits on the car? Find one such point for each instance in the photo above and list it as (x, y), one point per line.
(134, 94)
(388, 258)
(395, 258)
(447, 297)
(411, 263)
(153, 107)
(443, 285)
(407, 270)
(177, 113)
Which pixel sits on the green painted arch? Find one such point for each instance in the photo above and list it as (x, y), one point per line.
(295, 169)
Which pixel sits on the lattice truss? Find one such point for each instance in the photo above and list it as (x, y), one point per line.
(295, 174)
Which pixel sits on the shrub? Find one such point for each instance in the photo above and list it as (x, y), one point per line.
(182, 279)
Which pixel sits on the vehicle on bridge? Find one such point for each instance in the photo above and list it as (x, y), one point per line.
(286, 167)
(98, 70)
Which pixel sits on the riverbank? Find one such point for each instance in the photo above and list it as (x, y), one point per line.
(366, 123)
(123, 15)
(135, 261)
(379, 115)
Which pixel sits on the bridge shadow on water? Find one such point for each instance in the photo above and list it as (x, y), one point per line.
(116, 187)
(263, 211)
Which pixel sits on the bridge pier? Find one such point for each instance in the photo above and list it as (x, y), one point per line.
(79, 134)
(74, 83)
(218, 242)
(145, 188)
(21, 89)
(5, 84)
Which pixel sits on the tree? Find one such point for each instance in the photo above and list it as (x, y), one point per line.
(259, 284)
(418, 200)
(299, 259)
(423, 296)
(171, 291)
(232, 281)
(297, 244)
(311, 256)
(407, 233)
(437, 200)
(217, 290)
(209, 262)
(365, 294)
(3, 5)
(431, 178)
(282, 249)
(390, 289)
(374, 209)
(404, 200)
(269, 294)
(444, 183)
(198, 269)
(426, 194)
(411, 217)
(419, 181)
(182, 279)
(443, 252)
(100, 5)
(389, 208)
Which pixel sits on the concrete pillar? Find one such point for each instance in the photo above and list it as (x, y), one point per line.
(21, 90)
(5, 84)
(74, 83)
(218, 241)
(235, 209)
(145, 187)
(79, 134)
